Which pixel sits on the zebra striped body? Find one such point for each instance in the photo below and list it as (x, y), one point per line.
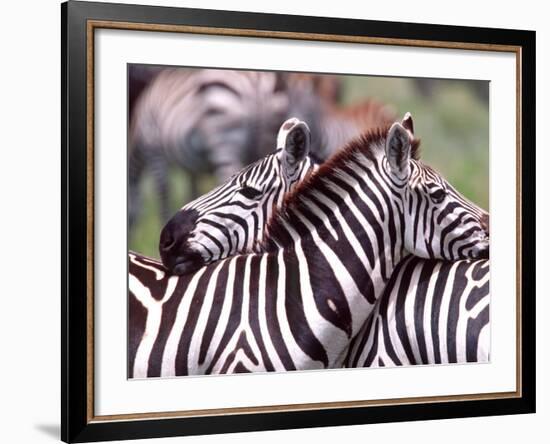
(242, 314)
(431, 312)
(440, 316)
(298, 302)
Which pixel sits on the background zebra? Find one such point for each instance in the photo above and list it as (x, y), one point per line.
(431, 312)
(297, 303)
(204, 121)
(315, 100)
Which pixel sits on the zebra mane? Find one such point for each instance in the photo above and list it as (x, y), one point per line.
(368, 145)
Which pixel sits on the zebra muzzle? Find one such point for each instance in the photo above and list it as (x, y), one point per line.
(481, 251)
(176, 253)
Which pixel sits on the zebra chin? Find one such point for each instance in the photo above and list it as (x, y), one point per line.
(188, 262)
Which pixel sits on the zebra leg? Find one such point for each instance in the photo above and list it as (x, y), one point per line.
(135, 172)
(193, 186)
(158, 166)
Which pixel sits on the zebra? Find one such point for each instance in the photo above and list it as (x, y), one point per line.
(205, 121)
(297, 302)
(256, 235)
(431, 312)
(231, 217)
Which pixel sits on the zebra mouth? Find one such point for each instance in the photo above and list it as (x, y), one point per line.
(187, 262)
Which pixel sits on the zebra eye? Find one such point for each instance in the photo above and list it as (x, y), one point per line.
(438, 195)
(250, 193)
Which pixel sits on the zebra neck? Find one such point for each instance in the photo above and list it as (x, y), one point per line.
(342, 256)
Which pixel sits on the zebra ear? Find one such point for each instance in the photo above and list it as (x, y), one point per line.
(295, 139)
(398, 150)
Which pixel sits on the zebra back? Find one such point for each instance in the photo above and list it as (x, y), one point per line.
(431, 312)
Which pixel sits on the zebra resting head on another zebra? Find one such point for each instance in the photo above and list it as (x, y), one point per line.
(231, 217)
(437, 221)
(310, 288)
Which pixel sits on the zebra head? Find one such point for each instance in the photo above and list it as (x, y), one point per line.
(231, 218)
(439, 222)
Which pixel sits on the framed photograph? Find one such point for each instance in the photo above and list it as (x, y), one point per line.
(275, 221)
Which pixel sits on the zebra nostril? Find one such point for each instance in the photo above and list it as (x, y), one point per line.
(168, 238)
(167, 241)
(177, 230)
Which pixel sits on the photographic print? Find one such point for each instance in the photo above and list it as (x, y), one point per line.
(292, 221)
(276, 221)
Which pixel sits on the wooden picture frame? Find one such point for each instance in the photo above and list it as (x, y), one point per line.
(79, 22)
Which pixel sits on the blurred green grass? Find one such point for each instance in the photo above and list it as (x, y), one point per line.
(144, 237)
(452, 121)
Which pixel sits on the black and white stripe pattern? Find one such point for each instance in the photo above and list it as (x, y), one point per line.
(296, 303)
(431, 312)
(437, 203)
(242, 314)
